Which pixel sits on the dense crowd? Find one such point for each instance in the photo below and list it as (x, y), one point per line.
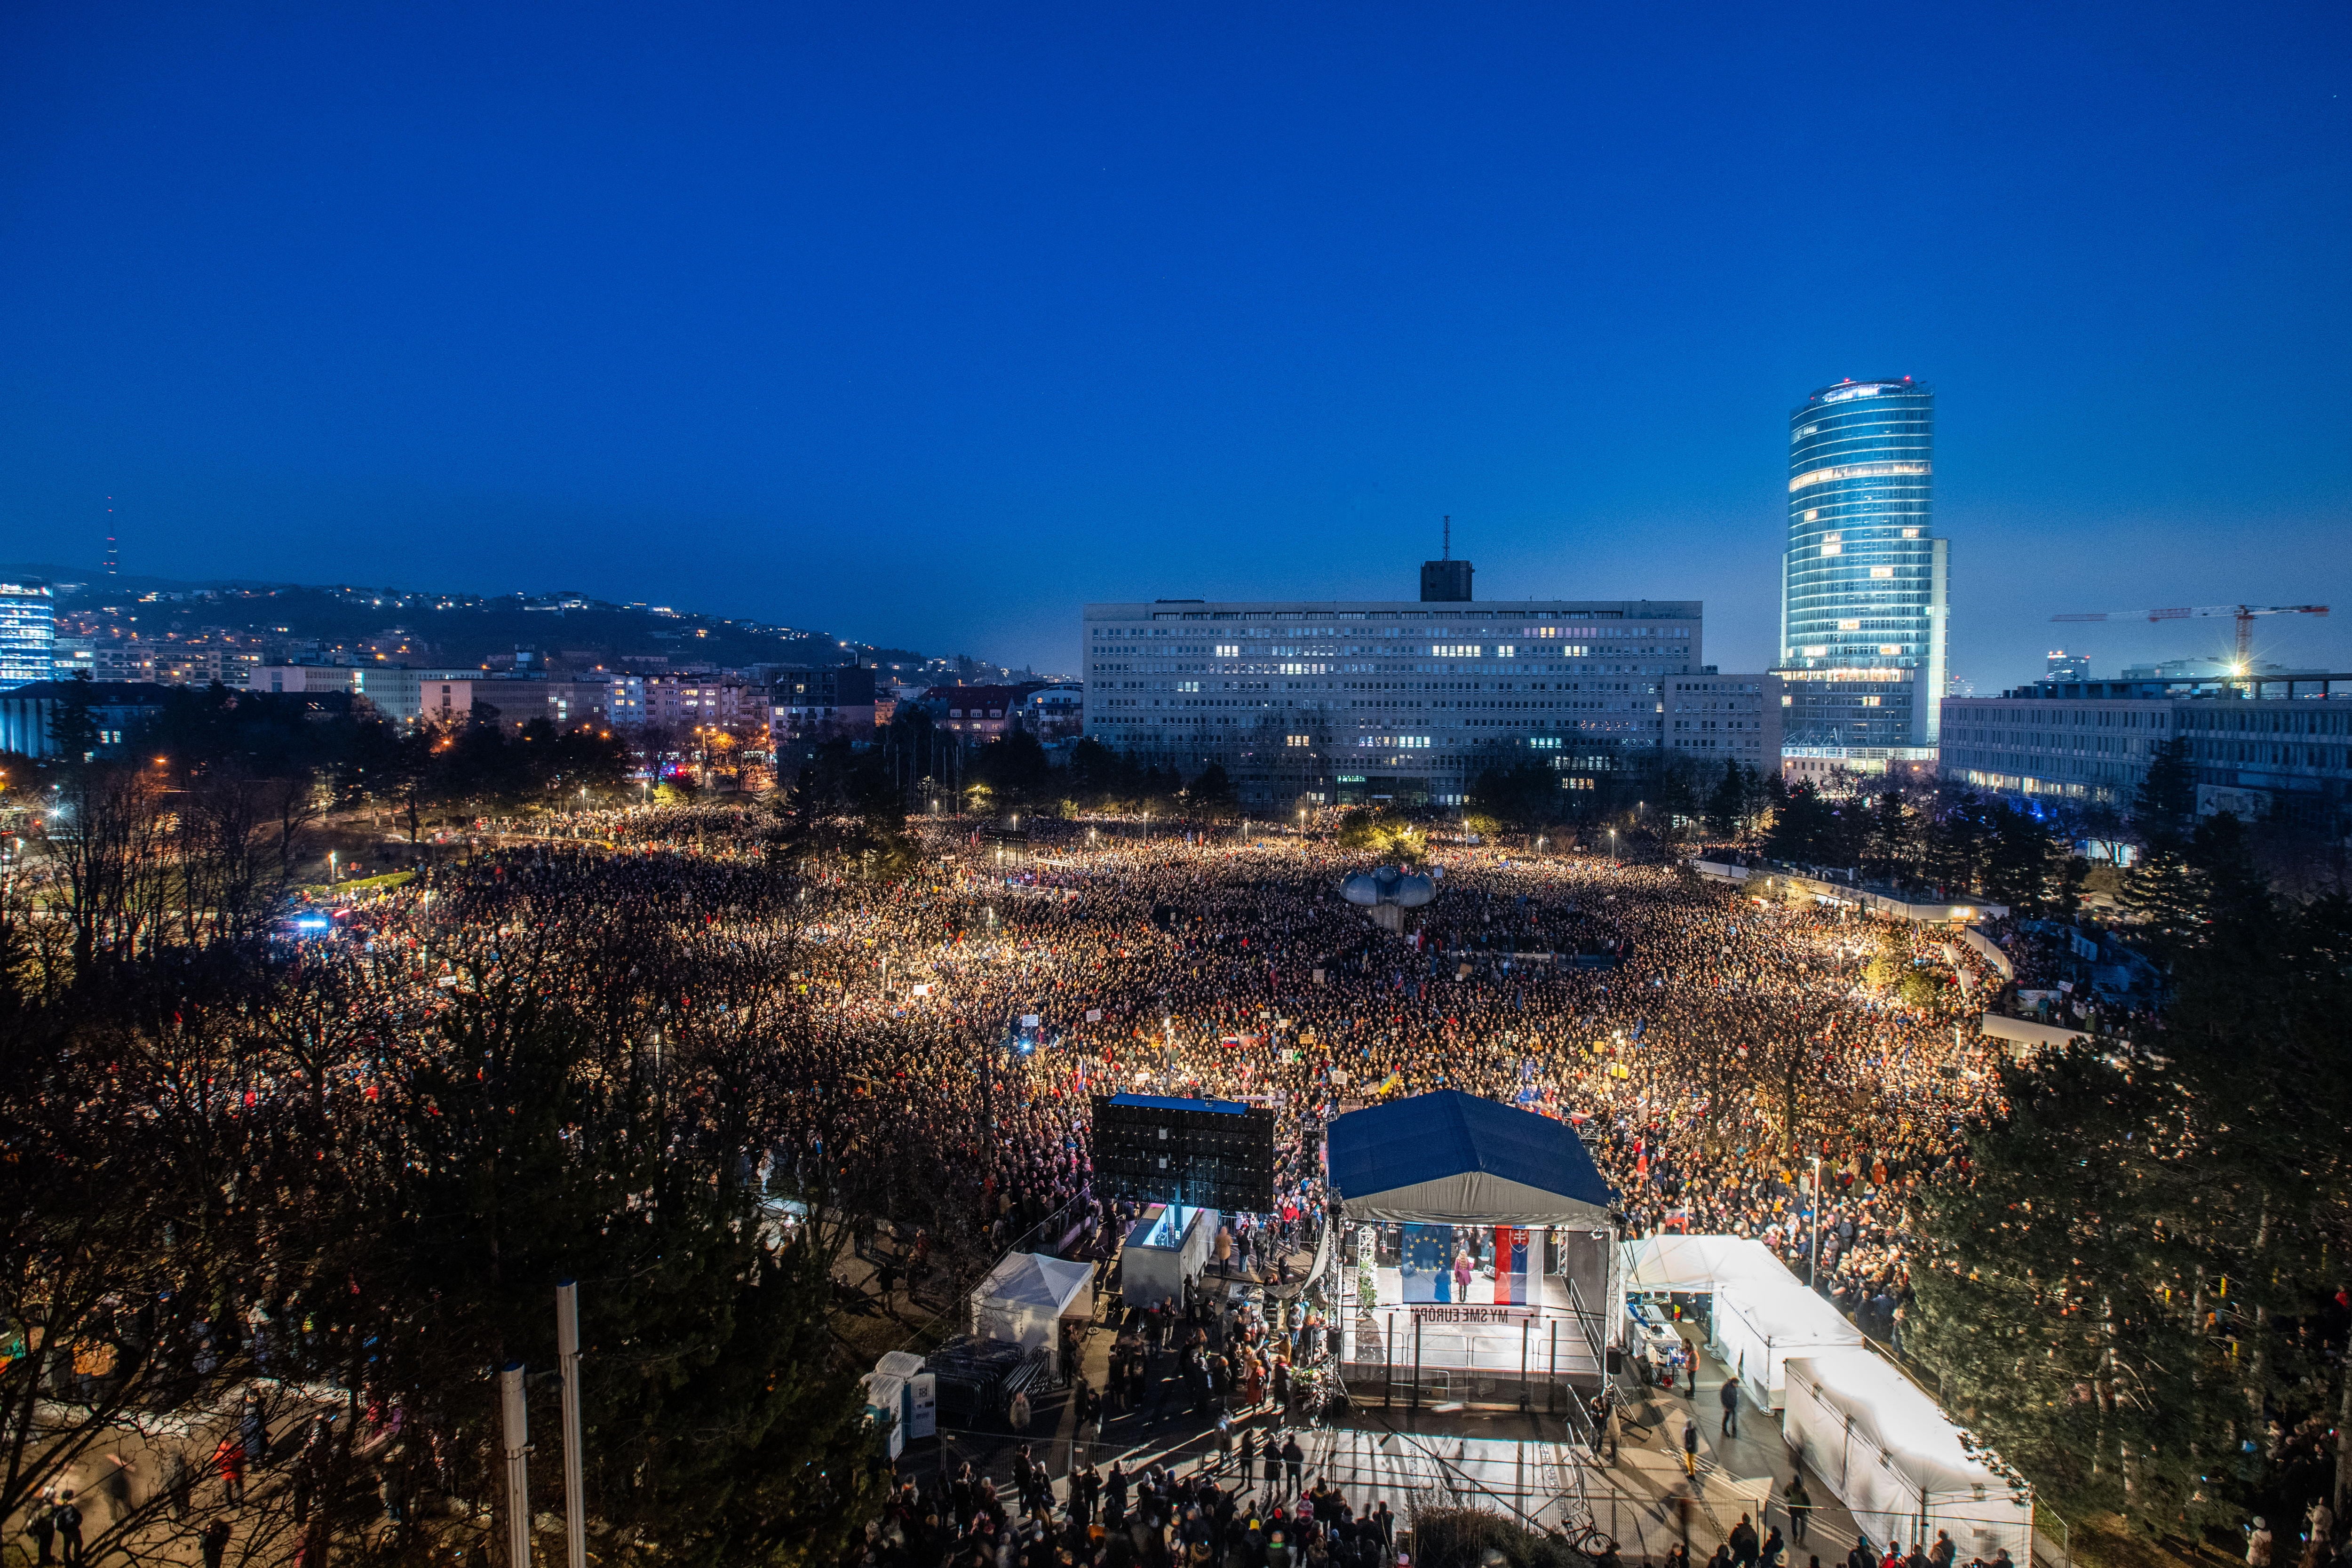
(972, 1010)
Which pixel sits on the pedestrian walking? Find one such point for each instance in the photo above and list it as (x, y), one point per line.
(1729, 1396)
(253, 1429)
(42, 1527)
(1799, 1504)
(228, 1460)
(68, 1520)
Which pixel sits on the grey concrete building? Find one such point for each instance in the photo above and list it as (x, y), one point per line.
(1319, 702)
(2259, 746)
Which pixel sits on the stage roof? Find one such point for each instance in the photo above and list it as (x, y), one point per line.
(1451, 1158)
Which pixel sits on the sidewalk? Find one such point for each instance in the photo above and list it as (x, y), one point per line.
(1743, 1473)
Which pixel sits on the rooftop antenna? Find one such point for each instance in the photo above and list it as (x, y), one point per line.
(1446, 550)
(113, 560)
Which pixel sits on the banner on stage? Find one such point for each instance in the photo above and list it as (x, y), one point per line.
(1438, 1312)
(1425, 1263)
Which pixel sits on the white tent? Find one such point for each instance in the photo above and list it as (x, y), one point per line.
(1895, 1462)
(1027, 1296)
(1761, 1321)
(1691, 1263)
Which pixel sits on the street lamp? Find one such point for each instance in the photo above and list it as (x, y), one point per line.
(1813, 1266)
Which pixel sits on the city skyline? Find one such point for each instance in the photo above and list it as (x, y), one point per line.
(935, 343)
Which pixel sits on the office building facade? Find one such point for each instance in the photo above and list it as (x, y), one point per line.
(2258, 746)
(822, 703)
(1716, 718)
(2064, 666)
(1326, 702)
(28, 634)
(119, 711)
(1864, 583)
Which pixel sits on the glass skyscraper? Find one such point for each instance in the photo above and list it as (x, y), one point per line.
(1864, 604)
(28, 634)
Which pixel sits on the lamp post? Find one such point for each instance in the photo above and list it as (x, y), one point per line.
(515, 1431)
(575, 1489)
(1813, 1266)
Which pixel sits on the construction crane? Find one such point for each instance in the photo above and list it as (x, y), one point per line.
(2244, 613)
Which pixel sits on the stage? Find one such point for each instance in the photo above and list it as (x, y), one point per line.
(1393, 1353)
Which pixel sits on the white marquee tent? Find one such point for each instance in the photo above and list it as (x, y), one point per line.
(1689, 1263)
(1760, 1322)
(1027, 1296)
(1762, 1315)
(1896, 1462)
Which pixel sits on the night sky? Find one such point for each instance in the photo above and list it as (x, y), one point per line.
(925, 325)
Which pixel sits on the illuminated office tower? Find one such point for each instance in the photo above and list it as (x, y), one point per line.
(1864, 584)
(28, 634)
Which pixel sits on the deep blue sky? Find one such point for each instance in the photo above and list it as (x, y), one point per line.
(927, 324)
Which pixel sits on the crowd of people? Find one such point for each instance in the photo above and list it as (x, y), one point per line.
(1716, 1052)
(943, 1034)
(1259, 1509)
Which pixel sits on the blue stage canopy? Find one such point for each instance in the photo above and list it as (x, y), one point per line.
(1451, 1158)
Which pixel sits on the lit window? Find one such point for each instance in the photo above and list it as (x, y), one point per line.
(1817, 651)
(1849, 625)
(1890, 647)
(1229, 650)
(1881, 572)
(1832, 549)
(1910, 533)
(1872, 703)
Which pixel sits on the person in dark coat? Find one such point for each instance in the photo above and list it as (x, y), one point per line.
(69, 1521)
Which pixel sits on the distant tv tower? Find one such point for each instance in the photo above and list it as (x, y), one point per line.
(113, 559)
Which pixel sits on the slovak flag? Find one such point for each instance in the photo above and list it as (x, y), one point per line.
(1510, 1266)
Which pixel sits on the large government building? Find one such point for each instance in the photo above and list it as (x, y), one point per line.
(1325, 702)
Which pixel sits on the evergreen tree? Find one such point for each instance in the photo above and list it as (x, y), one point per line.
(73, 727)
(1522, 795)
(1891, 847)
(844, 811)
(1727, 801)
(2164, 810)
(1804, 828)
(2127, 1289)
(2027, 865)
(1211, 794)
